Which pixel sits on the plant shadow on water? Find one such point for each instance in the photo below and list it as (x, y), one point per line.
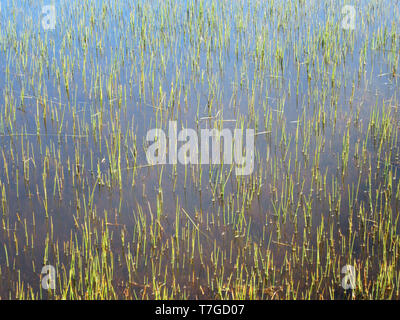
(78, 193)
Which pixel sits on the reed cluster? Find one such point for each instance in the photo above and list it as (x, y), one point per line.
(76, 189)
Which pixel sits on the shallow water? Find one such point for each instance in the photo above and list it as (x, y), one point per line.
(194, 60)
